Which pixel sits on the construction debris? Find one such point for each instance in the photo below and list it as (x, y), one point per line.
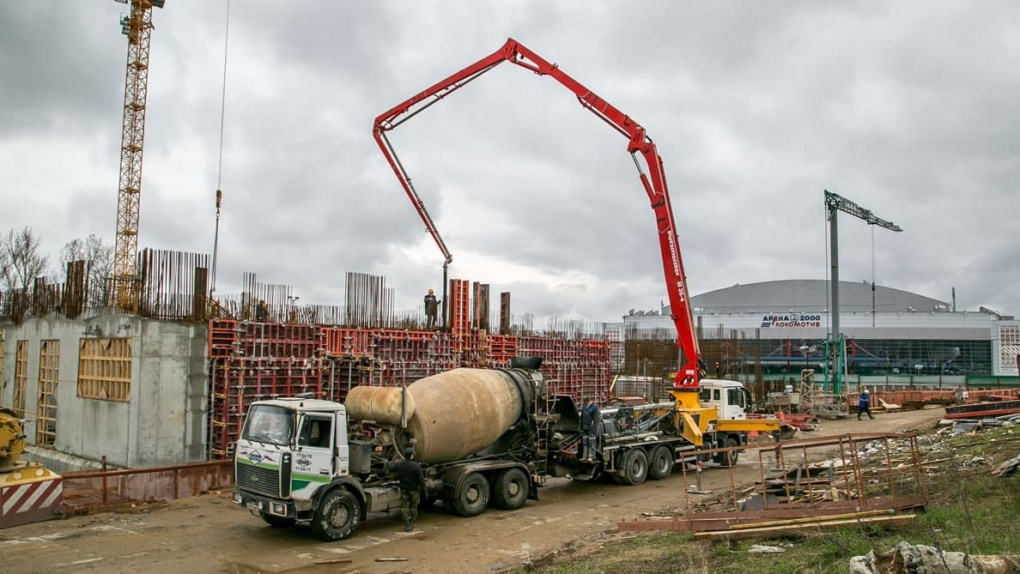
(809, 485)
(763, 549)
(890, 406)
(1007, 468)
(906, 558)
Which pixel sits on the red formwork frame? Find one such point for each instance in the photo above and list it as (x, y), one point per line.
(502, 348)
(252, 361)
(222, 338)
(297, 341)
(340, 341)
(240, 381)
(460, 306)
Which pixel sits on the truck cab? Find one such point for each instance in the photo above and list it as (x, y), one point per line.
(728, 397)
(291, 454)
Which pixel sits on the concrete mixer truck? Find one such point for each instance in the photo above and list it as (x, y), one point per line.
(485, 437)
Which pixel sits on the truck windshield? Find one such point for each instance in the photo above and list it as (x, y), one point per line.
(269, 424)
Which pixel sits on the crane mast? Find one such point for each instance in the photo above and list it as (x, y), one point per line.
(137, 26)
(833, 205)
(640, 146)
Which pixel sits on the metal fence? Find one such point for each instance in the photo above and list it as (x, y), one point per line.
(110, 489)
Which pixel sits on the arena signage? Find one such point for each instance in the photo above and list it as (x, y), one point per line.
(791, 320)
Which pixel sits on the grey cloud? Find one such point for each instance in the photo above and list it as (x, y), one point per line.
(755, 109)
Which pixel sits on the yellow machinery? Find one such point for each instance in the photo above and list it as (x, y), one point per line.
(29, 492)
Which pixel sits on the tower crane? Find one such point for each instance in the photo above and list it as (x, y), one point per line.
(137, 26)
(834, 204)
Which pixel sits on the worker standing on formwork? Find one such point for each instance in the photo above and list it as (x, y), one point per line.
(431, 310)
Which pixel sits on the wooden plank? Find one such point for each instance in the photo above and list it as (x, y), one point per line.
(798, 529)
(811, 519)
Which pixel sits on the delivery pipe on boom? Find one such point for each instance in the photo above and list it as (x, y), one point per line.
(652, 177)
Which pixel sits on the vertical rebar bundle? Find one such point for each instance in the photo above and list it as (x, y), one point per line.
(172, 285)
(369, 303)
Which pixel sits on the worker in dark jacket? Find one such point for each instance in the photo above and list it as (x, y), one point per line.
(864, 405)
(412, 481)
(431, 309)
(589, 426)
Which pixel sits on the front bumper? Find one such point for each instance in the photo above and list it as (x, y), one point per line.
(258, 504)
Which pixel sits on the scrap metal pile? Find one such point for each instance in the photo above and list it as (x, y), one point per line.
(809, 484)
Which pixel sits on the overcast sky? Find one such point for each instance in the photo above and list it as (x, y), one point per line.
(910, 109)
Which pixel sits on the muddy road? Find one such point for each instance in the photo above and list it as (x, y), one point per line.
(209, 534)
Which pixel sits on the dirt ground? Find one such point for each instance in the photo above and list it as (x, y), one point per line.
(209, 534)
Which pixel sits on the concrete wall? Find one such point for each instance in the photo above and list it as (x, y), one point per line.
(164, 421)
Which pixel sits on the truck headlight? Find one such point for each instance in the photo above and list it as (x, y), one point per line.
(279, 509)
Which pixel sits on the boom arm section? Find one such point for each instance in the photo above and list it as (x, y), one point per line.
(650, 170)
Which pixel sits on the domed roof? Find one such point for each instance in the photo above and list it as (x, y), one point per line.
(812, 295)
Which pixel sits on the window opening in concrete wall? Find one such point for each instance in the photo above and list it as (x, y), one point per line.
(20, 378)
(49, 375)
(104, 369)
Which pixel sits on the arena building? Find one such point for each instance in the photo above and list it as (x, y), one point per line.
(778, 327)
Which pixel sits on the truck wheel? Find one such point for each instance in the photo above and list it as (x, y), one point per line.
(635, 467)
(337, 515)
(511, 489)
(473, 495)
(661, 463)
(733, 454)
(277, 521)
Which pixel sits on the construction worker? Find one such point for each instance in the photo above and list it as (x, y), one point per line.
(589, 424)
(412, 481)
(431, 309)
(864, 405)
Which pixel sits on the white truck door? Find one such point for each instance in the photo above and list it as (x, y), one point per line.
(313, 459)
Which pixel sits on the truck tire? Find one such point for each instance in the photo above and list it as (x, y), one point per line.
(337, 515)
(720, 457)
(660, 466)
(277, 521)
(734, 455)
(472, 495)
(511, 489)
(635, 467)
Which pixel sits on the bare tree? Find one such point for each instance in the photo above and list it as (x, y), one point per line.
(98, 265)
(20, 260)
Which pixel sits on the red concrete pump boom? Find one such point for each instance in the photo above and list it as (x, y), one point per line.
(652, 176)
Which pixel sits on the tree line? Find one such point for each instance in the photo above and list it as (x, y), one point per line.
(22, 263)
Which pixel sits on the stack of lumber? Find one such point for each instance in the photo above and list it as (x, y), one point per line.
(803, 526)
